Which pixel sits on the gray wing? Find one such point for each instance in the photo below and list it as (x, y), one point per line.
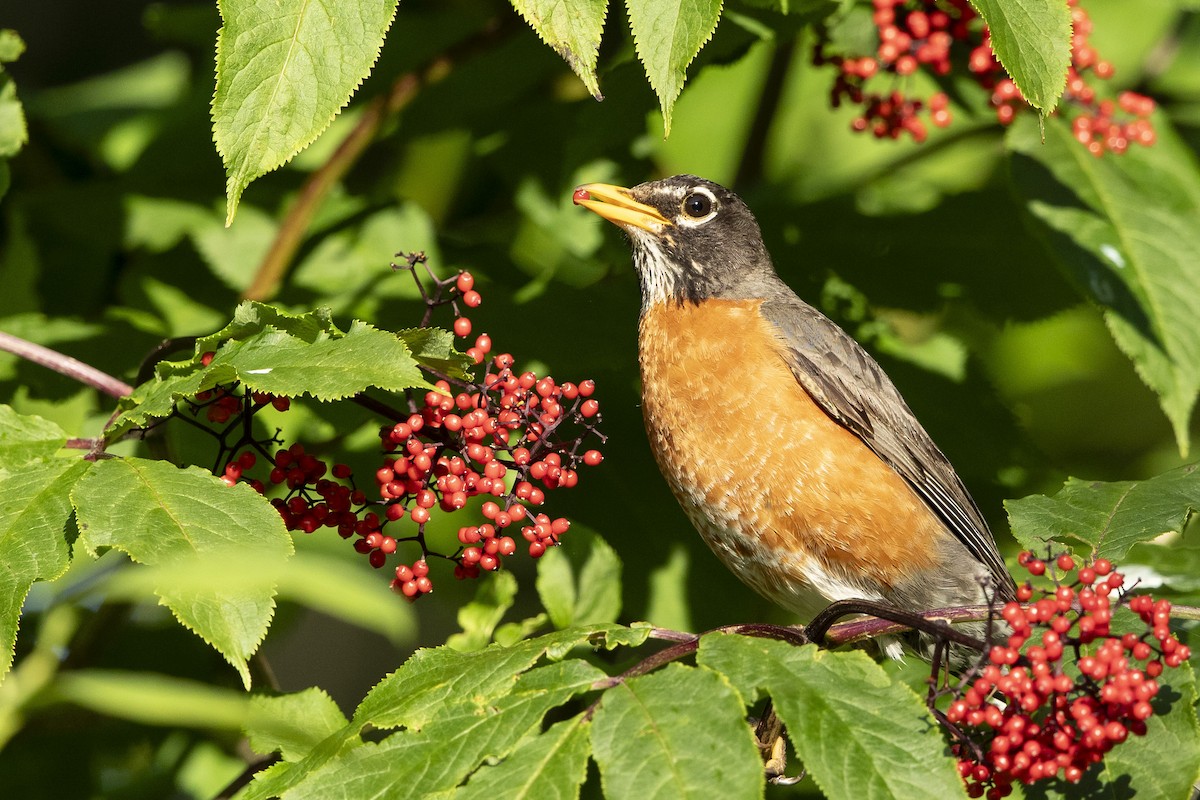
(854, 390)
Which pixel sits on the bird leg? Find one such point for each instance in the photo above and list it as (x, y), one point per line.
(772, 746)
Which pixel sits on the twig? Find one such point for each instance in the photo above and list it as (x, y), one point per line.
(295, 225)
(65, 365)
(932, 622)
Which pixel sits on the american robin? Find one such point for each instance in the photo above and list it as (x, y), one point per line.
(785, 443)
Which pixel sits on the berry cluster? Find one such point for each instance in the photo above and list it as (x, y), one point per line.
(938, 35)
(1022, 715)
(509, 438)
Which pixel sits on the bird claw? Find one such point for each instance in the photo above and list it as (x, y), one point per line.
(772, 746)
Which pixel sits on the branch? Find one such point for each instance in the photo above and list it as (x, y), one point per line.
(312, 194)
(65, 365)
(892, 620)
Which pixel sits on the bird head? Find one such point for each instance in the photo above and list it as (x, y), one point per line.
(692, 239)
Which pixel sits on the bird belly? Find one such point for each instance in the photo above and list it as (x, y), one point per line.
(794, 504)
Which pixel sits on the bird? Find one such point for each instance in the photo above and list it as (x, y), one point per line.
(785, 443)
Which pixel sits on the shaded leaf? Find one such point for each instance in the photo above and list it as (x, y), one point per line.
(1108, 518)
(580, 586)
(1032, 41)
(667, 35)
(479, 618)
(25, 438)
(652, 739)
(152, 698)
(434, 347)
(284, 70)
(161, 515)
(292, 723)
(35, 509)
(1123, 229)
(1166, 761)
(858, 733)
(573, 30)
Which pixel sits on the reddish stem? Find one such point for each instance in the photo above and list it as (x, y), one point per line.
(65, 365)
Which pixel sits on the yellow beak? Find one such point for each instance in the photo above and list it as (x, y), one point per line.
(616, 205)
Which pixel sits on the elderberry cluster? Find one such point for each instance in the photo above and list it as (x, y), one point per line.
(1024, 714)
(940, 35)
(508, 439)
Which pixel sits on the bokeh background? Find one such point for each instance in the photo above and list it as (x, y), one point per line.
(112, 238)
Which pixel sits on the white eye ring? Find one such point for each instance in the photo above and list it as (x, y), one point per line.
(698, 206)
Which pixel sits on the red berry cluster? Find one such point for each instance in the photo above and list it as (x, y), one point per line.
(1022, 715)
(911, 35)
(509, 438)
(930, 33)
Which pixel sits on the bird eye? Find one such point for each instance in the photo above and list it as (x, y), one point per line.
(697, 205)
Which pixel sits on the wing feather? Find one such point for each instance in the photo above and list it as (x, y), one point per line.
(854, 390)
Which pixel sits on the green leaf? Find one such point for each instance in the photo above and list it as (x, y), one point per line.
(152, 699)
(13, 131)
(593, 596)
(434, 348)
(268, 350)
(479, 618)
(25, 438)
(1032, 41)
(649, 742)
(858, 733)
(161, 515)
(1166, 761)
(324, 583)
(284, 70)
(550, 766)
(573, 29)
(1108, 518)
(437, 757)
(11, 46)
(35, 510)
(667, 35)
(436, 679)
(292, 723)
(1123, 229)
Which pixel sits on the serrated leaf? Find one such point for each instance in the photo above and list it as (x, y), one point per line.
(667, 35)
(439, 756)
(284, 70)
(550, 766)
(152, 698)
(35, 508)
(434, 679)
(270, 351)
(573, 30)
(1123, 228)
(1108, 518)
(26, 438)
(1032, 41)
(292, 723)
(649, 742)
(13, 131)
(479, 618)
(575, 593)
(434, 348)
(858, 733)
(1166, 761)
(161, 515)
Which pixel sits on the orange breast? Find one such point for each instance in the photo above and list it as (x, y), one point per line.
(793, 503)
